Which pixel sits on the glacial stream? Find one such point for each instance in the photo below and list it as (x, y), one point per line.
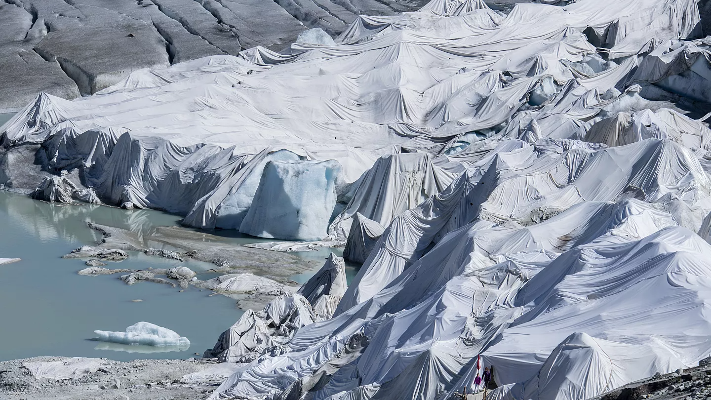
(47, 309)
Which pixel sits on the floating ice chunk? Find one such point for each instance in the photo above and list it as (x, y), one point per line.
(144, 333)
(295, 200)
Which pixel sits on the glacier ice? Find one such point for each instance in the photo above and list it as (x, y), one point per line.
(231, 211)
(144, 333)
(315, 37)
(294, 200)
(528, 187)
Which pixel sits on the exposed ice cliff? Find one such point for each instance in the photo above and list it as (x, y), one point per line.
(294, 200)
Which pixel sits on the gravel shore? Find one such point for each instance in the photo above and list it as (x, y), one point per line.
(98, 378)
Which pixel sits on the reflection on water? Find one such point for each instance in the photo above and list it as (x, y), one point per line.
(139, 348)
(50, 222)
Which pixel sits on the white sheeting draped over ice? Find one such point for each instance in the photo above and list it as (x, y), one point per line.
(362, 238)
(144, 333)
(329, 280)
(528, 184)
(193, 138)
(538, 200)
(267, 331)
(395, 183)
(485, 280)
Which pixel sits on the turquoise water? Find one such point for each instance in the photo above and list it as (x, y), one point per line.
(4, 118)
(47, 309)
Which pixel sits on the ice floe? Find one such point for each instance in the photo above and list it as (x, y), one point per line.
(144, 333)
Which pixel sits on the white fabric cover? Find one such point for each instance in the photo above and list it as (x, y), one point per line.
(395, 183)
(550, 196)
(362, 238)
(184, 138)
(329, 280)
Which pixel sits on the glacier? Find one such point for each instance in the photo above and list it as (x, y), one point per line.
(44, 46)
(527, 189)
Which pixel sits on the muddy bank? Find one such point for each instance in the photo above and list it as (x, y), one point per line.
(207, 247)
(265, 274)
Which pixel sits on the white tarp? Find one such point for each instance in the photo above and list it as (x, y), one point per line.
(187, 138)
(538, 204)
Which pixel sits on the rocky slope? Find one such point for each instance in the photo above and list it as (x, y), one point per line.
(692, 383)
